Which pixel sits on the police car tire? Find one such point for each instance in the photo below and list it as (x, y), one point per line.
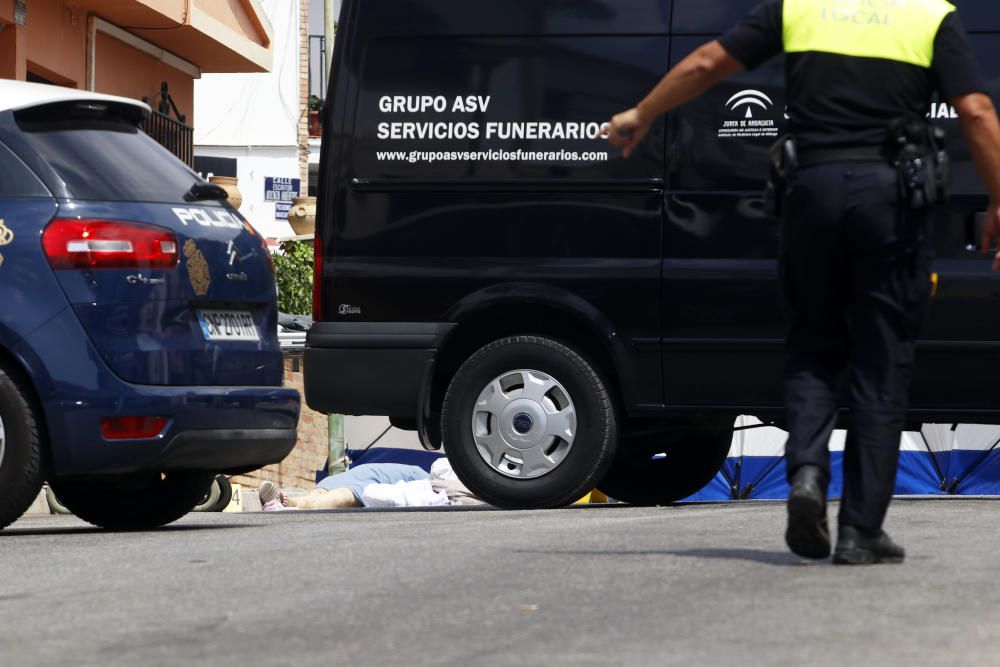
(133, 502)
(21, 468)
(695, 453)
(596, 435)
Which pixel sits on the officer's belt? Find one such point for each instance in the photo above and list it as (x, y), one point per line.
(817, 156)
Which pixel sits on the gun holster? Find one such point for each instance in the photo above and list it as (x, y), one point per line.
(784, 165)
(922, 163)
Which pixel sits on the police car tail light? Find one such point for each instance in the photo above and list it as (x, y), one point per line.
(106, 244)
(132, 427)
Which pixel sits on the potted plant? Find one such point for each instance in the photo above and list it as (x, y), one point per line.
(315, 127)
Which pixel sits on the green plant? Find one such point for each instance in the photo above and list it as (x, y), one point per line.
(293, 270)
(315, 103)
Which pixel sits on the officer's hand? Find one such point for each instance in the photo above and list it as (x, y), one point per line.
(627, 130)
(991, 234)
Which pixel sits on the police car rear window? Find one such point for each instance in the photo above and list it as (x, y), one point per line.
(100, 153)
(15, 179)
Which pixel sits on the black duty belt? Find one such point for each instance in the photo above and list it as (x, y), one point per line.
(816, 156)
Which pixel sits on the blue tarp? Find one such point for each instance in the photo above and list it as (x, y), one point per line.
(948, 459)
(413, 457)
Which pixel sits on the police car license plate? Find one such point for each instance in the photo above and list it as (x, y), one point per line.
(228, 325)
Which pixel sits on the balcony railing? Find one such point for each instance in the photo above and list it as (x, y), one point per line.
(317, 66)
(173, 135)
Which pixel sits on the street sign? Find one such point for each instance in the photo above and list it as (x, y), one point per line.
(281, 190)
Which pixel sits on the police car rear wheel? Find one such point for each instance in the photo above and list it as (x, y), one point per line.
(133, 502)
(662, 465)
(21, 470)
(528, 423)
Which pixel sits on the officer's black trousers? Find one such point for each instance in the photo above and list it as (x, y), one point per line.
(855, 269)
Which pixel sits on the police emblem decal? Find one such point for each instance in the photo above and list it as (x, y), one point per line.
(6, 234)
(197, 267)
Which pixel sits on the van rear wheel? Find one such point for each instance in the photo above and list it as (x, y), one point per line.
(528, 423)
(669, 463)
(133, 502)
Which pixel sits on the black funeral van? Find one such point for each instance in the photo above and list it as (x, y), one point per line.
(557, 317)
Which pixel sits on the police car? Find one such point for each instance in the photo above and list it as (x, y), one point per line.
(138, 326)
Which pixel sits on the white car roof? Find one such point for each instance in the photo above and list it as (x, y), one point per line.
(16, 95)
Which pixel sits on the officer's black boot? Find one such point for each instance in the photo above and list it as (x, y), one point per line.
(858, 547)
(808, 533)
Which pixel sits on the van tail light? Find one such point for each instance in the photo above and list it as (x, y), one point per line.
(106, 244)
(317, 279)
(132, 428)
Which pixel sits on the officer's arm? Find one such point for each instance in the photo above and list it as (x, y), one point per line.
(701, 70)
(981, 127)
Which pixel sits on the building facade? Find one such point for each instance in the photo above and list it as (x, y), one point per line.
(133, 48)
(255, 126)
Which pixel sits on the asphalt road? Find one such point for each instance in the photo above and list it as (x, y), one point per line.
(603, 586)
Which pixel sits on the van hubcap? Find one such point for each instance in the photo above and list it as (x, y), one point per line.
(524, 424)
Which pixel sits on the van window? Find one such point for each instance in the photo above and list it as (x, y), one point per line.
(698, 17)
(100, 153)
(502, 108)
(16, 180)
(978, 16)
(448, 18)
(965, 178)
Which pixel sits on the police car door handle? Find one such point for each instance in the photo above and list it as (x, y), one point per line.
(139, 279)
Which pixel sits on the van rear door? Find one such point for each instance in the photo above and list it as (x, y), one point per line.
(959, 356)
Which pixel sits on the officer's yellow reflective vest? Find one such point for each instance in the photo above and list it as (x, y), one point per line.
(900, 30)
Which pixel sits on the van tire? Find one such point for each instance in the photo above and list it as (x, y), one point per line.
(577, 382)
(695, 453)
(218, 496)
(21, 468)
(133, 502)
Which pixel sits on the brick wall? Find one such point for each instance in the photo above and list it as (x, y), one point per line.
(304, 96)
(298, 470)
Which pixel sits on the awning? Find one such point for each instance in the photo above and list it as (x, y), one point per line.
(213, 35)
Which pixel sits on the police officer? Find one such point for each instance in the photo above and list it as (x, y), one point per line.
(855, 266)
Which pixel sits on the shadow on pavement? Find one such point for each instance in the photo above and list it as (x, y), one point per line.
(93, 530)
(775, 558)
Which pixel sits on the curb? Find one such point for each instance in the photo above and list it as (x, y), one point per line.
(40, 506)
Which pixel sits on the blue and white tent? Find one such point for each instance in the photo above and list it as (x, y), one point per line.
(940, 459)
(952, 459)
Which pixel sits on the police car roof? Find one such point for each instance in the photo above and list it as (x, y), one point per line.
(16, 95)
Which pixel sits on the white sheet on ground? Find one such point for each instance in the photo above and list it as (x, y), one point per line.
(444, 479)
(404, 494)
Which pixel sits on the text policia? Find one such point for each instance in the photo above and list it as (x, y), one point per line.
(443, 130)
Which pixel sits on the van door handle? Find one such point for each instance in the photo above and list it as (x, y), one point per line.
(976, 228)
